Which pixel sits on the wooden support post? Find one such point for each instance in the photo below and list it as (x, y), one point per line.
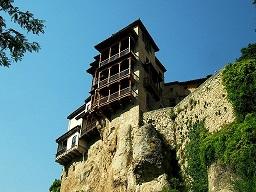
(100, 60)
(109, 53)
(95, 78)
(119, 90)
(129, 43)
(119, 48)
(130, 61)
(109, 73)
(108, 94)
(119, 68)
(98, 98)
(99, 80)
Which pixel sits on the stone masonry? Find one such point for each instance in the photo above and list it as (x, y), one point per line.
(209, 104)
(130, 157)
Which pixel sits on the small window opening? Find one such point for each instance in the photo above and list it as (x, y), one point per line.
(74, 140)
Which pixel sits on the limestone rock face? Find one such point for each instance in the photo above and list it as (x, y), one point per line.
(125, 159)
(147, 153)
(134, 158)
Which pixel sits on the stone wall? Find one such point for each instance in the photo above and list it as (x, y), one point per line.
(208, 103)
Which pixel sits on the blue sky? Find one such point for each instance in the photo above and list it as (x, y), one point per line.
(196, 38)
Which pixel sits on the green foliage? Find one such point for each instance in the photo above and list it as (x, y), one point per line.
(240, 82)
(248, 52)
(55, 187)
(233, 146)
(13, 44)
(196, 169)
(245, 185)
(168, 189)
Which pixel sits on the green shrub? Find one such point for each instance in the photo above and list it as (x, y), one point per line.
(240, 82)
(248, 52)
(233, 146)
(55, 187)
(196, 169)
(248, 185)
(168, 189)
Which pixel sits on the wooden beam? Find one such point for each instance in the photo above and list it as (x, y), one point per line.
(119, 48)
(109, 73)
(109, 53)
(129, 43)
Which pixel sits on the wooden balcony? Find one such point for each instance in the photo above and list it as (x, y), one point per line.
(88, 128)
(116, 96)
(150, 85)
(64, 156)
(114, 57)
(61, 151)
(68, 133)
(114, 78)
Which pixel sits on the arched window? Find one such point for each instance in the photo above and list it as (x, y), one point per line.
(74, 140)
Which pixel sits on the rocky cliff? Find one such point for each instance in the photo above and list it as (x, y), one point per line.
(147, 157)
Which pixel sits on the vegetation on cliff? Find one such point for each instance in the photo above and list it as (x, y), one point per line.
(55, 187)
(240, 82)
(234, 146)
(197, 171)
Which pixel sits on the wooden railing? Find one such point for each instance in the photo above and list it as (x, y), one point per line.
(114, 78)
(114, 96)
(114, 57)
(88, 127)
(61, 151)
(103, 82)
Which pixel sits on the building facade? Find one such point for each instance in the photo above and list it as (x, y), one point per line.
(127, 80)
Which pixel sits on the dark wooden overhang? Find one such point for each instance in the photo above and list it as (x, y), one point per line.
(93, 67)
(124, 32)
(160, 65)
(87, 99)
(69, 133)
(77, 111)
(82, 115)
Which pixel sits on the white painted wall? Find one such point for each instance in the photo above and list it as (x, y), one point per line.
(73, 123)
(69, 141)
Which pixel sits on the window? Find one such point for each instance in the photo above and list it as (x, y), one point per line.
(74, 141)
